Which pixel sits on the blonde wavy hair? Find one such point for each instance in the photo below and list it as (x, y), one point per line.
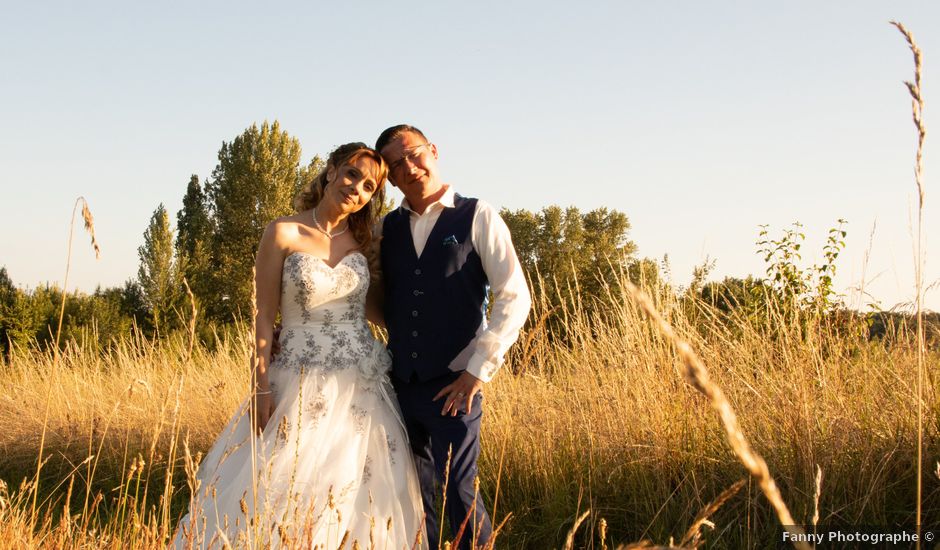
(361, 223)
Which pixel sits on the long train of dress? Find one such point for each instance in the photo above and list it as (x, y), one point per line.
(333, 461)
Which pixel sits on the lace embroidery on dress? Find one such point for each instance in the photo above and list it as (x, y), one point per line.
(359, 415)
(306, 287)
(367, 470)
(344, 345)
(316, 409)
(392, 447)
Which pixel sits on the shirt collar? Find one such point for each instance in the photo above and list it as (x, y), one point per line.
(446, 201)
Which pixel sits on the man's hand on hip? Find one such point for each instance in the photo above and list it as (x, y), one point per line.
(462, 390)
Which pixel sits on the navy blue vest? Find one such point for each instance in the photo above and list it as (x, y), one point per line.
(433, 304)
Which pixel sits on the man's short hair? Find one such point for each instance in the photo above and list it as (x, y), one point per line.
(395, 131)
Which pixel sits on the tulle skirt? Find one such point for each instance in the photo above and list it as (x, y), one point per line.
(333, 463)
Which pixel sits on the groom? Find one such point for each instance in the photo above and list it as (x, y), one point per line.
(442, 254)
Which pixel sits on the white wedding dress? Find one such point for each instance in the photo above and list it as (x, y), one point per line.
(333, 461)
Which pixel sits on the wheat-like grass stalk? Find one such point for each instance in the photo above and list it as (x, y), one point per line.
(569, 539)
(192, 320)
(254, 361)
(90, 227)
(917, 110)
(697, 375)
(693, 536)
(817, 492)
(440, 533)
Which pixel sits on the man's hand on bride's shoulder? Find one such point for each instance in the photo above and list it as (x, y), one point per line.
(459, 392)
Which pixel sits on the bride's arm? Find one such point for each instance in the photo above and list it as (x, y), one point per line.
(268, 265)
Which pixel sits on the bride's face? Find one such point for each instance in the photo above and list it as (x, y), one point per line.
(352, 185)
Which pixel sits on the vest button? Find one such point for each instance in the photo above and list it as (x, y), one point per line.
(414, 355)
(414, 333)
(414, 313)
(417, 272)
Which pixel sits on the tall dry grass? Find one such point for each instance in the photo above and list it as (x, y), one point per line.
(596, 419)
(611, 420)
(917, 111)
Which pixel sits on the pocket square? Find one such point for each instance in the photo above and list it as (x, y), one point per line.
(450, 241)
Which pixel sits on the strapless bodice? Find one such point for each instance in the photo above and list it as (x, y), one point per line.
(323, 317)
(313, 293)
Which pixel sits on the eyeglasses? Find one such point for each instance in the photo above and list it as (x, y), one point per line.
(411, 155)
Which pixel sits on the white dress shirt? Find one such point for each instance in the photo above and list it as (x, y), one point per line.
(511, 301)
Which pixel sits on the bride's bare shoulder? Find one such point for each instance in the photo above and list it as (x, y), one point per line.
(283, 231)
(300, 218)
(289, 225)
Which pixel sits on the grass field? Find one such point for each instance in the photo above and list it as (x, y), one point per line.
(601, 420)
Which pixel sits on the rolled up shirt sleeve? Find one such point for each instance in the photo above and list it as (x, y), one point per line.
(511, 300)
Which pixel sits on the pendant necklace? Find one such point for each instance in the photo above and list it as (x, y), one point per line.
(319, 227)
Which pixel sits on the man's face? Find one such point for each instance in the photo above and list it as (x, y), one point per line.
(412, 163)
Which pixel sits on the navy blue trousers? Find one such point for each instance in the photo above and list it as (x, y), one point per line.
(431, 435)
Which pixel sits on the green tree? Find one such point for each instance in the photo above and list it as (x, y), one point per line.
(193, 240)
(25, 316)
(158, 274)
(95, 321)
(572, 259)
(8, 294)
(254, 182)
(801, 290)
(29, 317)
(309, 172)
(6, 283)
(646, 273)
(524, 227)
(605, 248)
(733, 294)
(562, 247)
(133, 304)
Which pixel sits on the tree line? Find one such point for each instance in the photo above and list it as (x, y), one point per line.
(571, 258)
(208, 257)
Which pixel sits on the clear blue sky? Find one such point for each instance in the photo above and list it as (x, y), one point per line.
(699, 120)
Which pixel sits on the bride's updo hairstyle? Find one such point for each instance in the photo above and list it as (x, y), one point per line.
(361, 222)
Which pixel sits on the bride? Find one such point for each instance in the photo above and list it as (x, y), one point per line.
(331, 465)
